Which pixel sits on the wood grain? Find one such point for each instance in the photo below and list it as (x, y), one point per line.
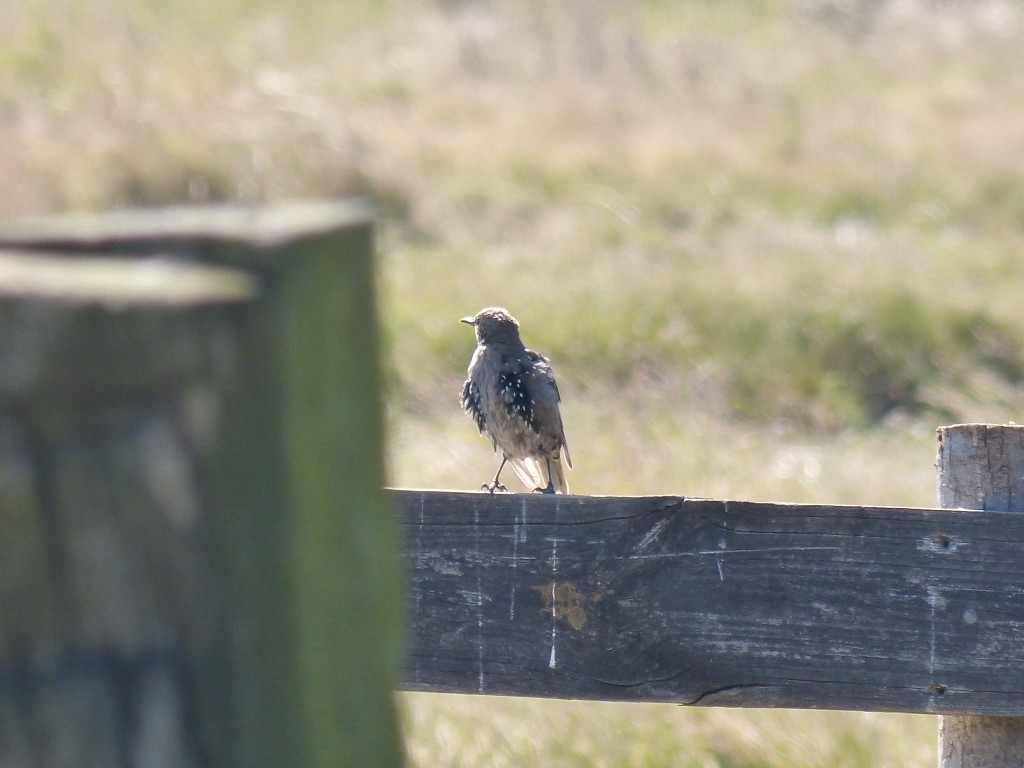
(981, 466)
(191, 468)
(715, 602)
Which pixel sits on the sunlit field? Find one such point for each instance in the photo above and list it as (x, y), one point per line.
(768, 247)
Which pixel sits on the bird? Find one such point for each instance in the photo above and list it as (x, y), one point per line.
(512, 396)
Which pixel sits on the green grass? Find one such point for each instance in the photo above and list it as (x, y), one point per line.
(768, 246)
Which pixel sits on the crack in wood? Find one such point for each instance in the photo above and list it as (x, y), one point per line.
(723, 689)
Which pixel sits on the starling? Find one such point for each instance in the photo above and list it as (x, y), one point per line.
(512, 396)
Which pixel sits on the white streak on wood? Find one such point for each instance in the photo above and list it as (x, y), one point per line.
(552, 658)
(479, 604)
(652, 534)
(719, 552)
(515, 559)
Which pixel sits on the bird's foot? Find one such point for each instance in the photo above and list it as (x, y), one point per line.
(550, 489)
(493, 486)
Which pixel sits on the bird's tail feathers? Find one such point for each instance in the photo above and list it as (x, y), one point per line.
(558, 474)
(530, 472)
(534, 473)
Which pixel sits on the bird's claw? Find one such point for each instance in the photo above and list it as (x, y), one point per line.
(492, 487)
(550, 489)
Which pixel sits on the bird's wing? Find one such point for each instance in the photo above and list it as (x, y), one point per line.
(514, 394)
(558, 398)
(471, 404)
(544, 390)
(565, 450)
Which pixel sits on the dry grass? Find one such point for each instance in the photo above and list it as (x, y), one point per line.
(470, 732)
(769, 246)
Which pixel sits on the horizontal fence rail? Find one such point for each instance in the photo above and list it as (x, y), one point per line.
(717, 603)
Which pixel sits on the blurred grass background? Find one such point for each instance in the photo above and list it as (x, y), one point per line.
(768, 246)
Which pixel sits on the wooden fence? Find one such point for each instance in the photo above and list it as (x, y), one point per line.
(716, 603)
(191, 505)
(741, 604)
(199, 566)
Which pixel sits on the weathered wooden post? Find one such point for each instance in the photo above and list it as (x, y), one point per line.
(197, 562)
(981, 466)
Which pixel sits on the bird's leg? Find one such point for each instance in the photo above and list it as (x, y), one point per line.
(551, 481)
(494, 485)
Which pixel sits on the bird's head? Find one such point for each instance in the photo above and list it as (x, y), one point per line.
(494, 325)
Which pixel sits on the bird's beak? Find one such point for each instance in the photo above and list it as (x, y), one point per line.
(468, 320)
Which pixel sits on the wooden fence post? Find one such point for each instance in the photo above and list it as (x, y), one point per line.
(197, 559)
(981, 466)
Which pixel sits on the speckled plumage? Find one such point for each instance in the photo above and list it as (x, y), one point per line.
(512, 396)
